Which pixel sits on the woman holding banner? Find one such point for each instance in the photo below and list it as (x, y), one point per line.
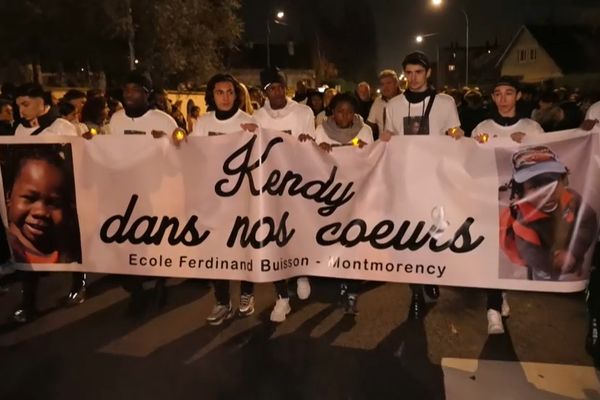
(224, 116)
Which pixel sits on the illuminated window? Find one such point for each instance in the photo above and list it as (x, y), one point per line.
(451, 67)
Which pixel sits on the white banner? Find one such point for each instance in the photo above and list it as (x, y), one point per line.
(266, 207)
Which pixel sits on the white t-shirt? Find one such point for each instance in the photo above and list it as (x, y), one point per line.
(377, 113)
(365, 134)
(294, 119)
(593, 112)
(152, 120)
(494, 130)
(404, 118)
(320, 118)
(25, 131)
(209, 125)
(61, 127)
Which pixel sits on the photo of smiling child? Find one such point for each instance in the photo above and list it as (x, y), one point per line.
(547, 228)
(39, 191)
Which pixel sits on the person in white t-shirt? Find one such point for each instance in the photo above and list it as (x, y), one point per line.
(389, 84)
(345, 128)
(65, 124)
(224, 116)
(138, 118)
(420, 110)
(505, 122)
(77, 99)
(34, 110)
(223, 93)
(284, 114)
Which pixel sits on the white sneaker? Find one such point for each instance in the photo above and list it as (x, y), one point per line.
(495, 326)
(303, 288)
(281, 310)
(505, 306)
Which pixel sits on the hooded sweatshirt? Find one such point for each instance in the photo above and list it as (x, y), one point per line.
(294, 119)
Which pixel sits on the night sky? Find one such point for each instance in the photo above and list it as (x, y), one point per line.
(398, 21)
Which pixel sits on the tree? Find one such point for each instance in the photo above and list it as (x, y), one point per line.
(178, 40)
(175, 39)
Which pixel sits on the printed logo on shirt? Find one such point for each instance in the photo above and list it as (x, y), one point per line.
(416, 126)
(215, 133)
(130, 132)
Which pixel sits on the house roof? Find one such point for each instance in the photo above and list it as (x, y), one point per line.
(573, 48)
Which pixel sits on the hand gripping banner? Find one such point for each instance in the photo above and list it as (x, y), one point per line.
(264, 206)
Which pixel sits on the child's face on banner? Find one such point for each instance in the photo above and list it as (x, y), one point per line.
(36, 201)
(544, 195)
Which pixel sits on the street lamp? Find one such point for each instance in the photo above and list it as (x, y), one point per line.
(279, 15)
(419, 39)
(438, 3)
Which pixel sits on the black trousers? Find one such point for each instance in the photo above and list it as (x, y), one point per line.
(494, 299)
(593, 290)
(222, 287)
(30, 282)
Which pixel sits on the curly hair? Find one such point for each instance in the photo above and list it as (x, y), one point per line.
(210, 88)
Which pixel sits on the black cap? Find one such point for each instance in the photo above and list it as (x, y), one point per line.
(417, 58)
(272, 75)
(508, 81)
(141, 79)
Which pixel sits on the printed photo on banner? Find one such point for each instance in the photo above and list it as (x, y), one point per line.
(39, 196)
(547, 228)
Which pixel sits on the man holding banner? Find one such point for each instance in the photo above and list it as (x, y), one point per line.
(138, 118)
(421, 111)
(505, 123)
(285, 115)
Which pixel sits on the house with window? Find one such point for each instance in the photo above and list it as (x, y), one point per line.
(567, 54)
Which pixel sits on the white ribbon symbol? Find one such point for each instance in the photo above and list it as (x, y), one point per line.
(440, 224)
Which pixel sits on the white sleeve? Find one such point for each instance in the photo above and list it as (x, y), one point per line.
(366, 134)
(321, 136)
(536, 128)
(309, 123)
(593, 112)
(478, 129)
(198, 129)
(372, 118)
(390, 122)
(453, 121)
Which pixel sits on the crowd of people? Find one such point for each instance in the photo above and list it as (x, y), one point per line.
(328, 118)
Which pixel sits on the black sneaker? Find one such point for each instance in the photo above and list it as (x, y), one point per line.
(24, 315)
(432, 293)
(76, 296)
(351, 304)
